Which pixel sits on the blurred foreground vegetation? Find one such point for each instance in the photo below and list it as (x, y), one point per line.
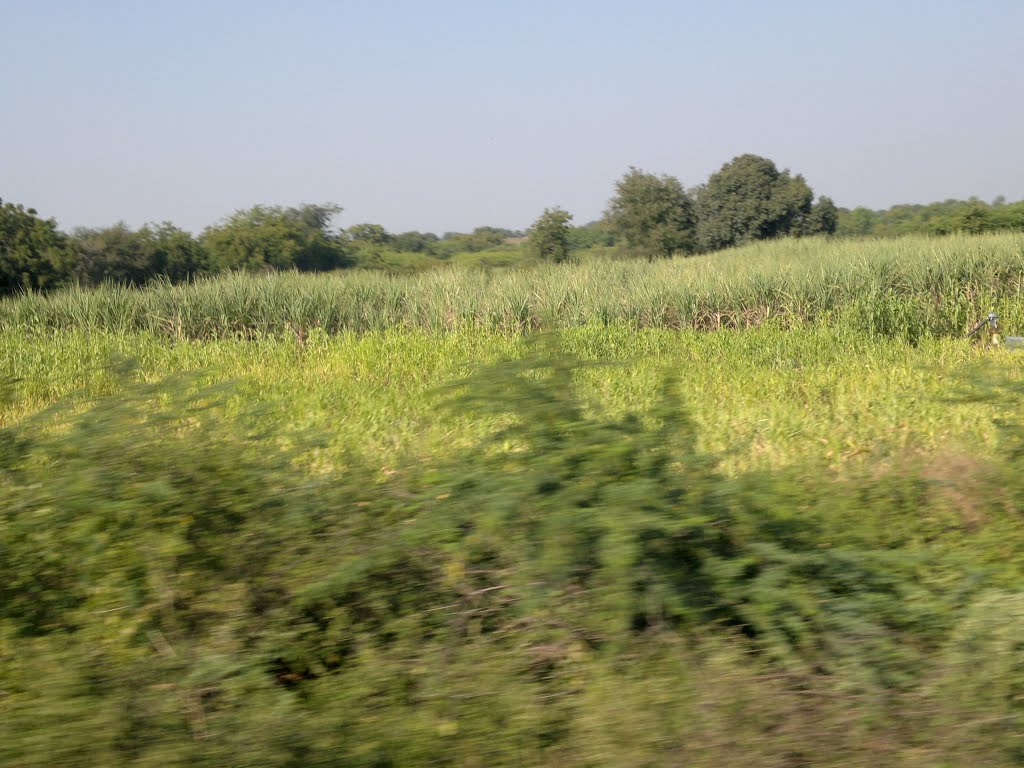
(200, 572)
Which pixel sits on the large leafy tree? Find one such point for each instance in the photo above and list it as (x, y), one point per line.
(654, 214)
(171, 252)
(414, 242)
(750, 199)
(120, 255)
(112, 254)
(549, 235)
(272, 237)
(34, 254)
(860, 221)
(372, 234)
(823, 218)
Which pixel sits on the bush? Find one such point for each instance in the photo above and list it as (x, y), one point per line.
(178, 588)
(33, 254)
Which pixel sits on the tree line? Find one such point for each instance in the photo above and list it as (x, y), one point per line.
(650, 216)
(943, 218)
(654, 216)
(35, 255)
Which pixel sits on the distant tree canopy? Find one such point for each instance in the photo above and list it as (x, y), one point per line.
(415, 242)
(110, 254)
(595, 234)
(266, 237)
(549, 235)
(649, 216)
(172, 252)
(750, 199)
(823, 219)
(941, 218)
(371, 246)
(374, 234)
(118, 254)
(653, 214)
(33, 253)
(480, 239)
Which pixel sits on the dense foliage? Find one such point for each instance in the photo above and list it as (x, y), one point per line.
(181, 584)
(119, 255)
(973, 216)
(911, 288)
(276, 238)
(33, 253)
(549, 236)
(649, 216)
(653, 214)
(750, 199)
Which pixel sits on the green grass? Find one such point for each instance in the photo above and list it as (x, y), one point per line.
(279, 541)
(766, 397)
(910, 288)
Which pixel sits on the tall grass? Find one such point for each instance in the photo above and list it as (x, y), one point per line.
(764, 398)
(908, 288)
(176, 589)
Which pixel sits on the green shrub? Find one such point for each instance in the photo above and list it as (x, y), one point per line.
(178, 586)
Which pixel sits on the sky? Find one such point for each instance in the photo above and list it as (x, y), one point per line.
(446, 115)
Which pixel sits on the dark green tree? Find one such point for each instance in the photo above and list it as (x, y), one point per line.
(372, 234)
(938, 218)
(33, 253)
(860, 221)
(1008, 216)
(974, 218)
(750, 199)
(823, 218)
(549, 235)
(415, 242)
(271, 237)
(111, 254)
(653, 214)
(369, 245)
(118, 254)
(171, 252)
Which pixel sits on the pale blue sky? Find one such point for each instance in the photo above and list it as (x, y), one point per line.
(449, 115)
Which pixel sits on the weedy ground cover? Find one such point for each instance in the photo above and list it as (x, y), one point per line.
(283, 521)
(765, 397)
(559, 579)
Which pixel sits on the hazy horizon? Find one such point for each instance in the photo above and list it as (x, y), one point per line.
(451, 117)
